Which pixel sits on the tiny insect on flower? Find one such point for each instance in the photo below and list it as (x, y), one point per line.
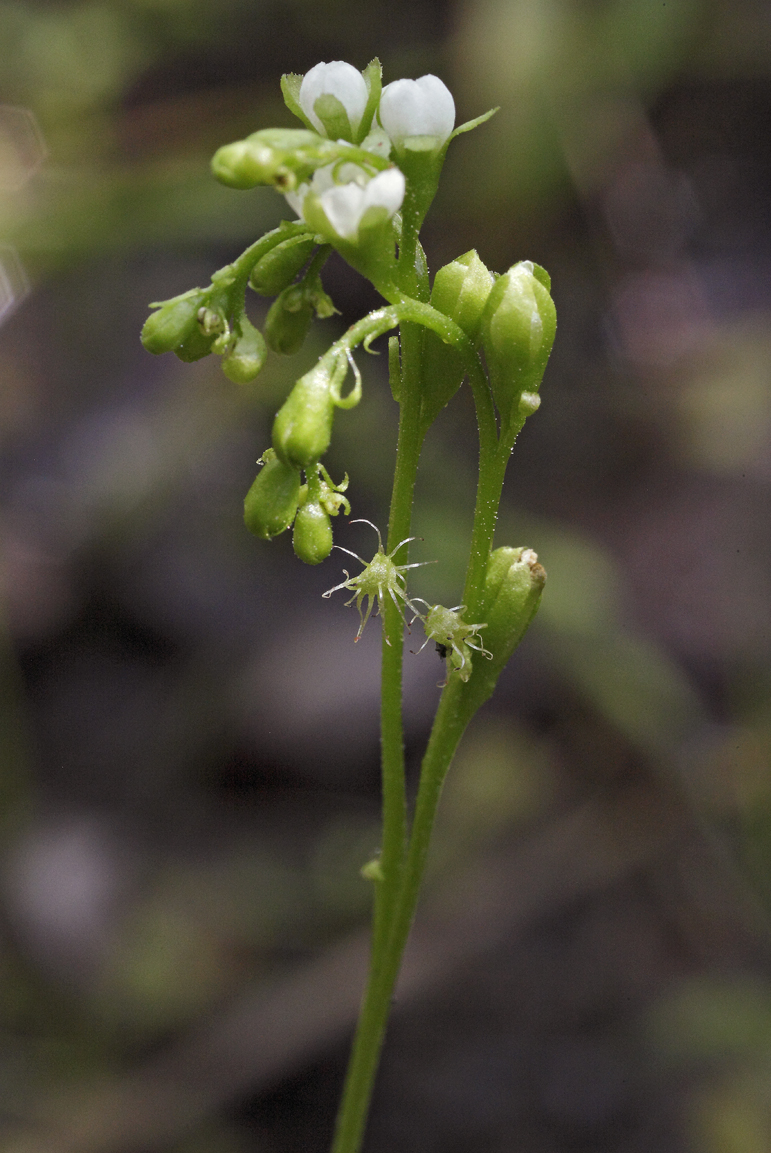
(453, 637)
(381, 578)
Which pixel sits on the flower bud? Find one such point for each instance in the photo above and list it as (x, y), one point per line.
(271, 503)
(302, 429)
(312, 536)
(174, 320)
(518, 327)
(246, 358)
(288, 320)
(421, 108)
(195, 345)
(278, 268)
(282, 157)
(513, 585)
(460, 291)
(334, 98)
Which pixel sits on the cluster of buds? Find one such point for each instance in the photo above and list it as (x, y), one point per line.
(278, 499)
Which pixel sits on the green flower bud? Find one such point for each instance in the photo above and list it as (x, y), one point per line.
(288, 320)
(303, 426)
(460, 291)
(195, 345)
(283, 157)
(312, 536)
(271, 502)
(518, 328)
(513, 585)
(166, 329)
(278, 268)
(244, 361)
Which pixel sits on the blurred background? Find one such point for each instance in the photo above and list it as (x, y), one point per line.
(188, 735)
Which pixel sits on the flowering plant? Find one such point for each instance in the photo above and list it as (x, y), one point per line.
(360, 176)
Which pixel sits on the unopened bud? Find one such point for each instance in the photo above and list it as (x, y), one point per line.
(283, 157)
(175, 319)
(518, 328)
(312, 536)
(271, 503)
(460, 291)
(302, 429)
(288, 320)
(245, 360)
(278, 268)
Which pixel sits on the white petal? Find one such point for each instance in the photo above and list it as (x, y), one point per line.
(423, 107)
(295, 199)
(334, 79)
(344, 207)
(386, 190)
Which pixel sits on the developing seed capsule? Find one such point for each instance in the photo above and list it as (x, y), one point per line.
(167, 328)
(244, 361)
(288, 320)
(312, 535)
(302, 429)
(518, 327)
(513, 585)
(278, 268)
(271, 503)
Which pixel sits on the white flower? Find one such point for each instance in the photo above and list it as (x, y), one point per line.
(345, 196)
(334, 79)
(423, 107)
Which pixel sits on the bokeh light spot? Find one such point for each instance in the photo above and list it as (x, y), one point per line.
(22, 147)
(14, 284)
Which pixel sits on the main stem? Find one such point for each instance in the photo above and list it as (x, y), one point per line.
(370, 1030)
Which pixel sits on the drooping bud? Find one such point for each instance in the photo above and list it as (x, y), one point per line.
(271, 503)
(283, 157)
(312, 535)
(278, 268)
(514, 582)
(518, 328)
(460, 291)
(246, 358)
(174, 320)
(302, 429)
(195, 345)
(288, 320)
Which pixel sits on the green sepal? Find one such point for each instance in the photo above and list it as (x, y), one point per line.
(247, 357)
(470, 125)
(276, 270)
(312, 535)
(290, 90)
(332, 114)
(271, 503)
(373, 78)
